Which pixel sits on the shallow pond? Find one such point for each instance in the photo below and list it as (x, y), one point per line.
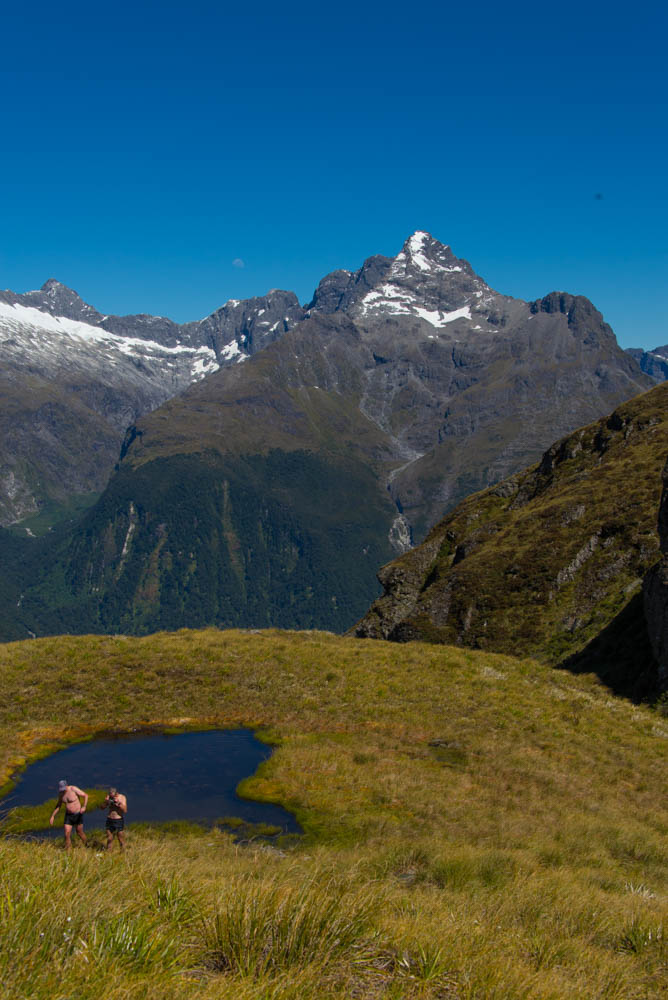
(187, 776)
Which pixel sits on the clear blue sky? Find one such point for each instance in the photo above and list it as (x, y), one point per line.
(147, 151)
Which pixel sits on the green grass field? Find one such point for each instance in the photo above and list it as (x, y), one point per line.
(476, 826)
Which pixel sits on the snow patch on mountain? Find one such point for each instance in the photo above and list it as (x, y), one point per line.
(443, 318)
(425, 280)
(414, 253)
(397, 301)
(18, 317)
(391, 299)
(232, 350)
(41, 335)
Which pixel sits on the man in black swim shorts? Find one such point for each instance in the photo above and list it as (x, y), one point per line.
(70, 796)
(118, 806)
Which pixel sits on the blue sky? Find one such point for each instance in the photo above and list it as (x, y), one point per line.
(148, 151)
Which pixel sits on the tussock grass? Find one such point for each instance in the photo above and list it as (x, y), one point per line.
(269, 926)
(529, 862)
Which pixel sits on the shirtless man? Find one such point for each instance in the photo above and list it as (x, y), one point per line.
(118, 806)
(69, 796)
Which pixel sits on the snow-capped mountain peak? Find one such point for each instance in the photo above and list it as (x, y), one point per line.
(421, 253)
(425, 253)
(425, 280)
(52, 286)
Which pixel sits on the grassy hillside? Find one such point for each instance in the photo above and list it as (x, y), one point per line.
(545, 561)
(476, 827)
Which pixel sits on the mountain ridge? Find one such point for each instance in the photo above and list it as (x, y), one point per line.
(407, 385)
(95, 375)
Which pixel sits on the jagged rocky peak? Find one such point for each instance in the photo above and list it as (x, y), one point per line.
(425, 281)
(276, 299)
(427, 255)
(573, 306)
(59, 300)
(428, 282)
(243, 326)
(329, 294)
(54, 289)
(584, 320)
(340, 290)
(55, 298)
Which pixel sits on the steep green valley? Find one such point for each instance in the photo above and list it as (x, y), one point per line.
(198, 539)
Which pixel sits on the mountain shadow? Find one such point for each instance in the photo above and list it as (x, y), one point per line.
(621, 655)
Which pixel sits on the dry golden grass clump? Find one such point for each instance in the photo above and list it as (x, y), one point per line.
(475, 827)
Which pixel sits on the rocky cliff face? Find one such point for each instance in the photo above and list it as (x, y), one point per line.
(545, 561)
(655, 592)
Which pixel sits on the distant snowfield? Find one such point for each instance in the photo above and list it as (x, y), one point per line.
(45, 335)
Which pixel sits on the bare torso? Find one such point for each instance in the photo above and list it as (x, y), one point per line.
(119, 810)
(71, 799)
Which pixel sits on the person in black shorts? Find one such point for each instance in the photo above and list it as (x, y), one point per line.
(70, 796)
(118, 806)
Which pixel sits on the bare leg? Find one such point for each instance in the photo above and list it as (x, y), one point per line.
(110, 840)
(68, 837)
(80, 834)
(121, 839)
